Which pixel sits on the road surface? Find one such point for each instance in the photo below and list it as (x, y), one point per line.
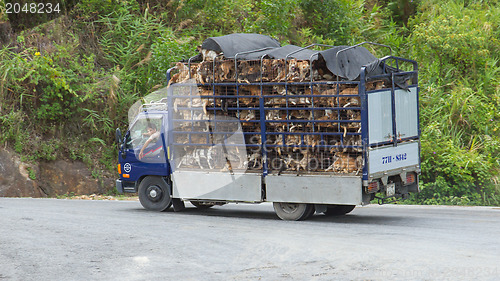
(51, 239)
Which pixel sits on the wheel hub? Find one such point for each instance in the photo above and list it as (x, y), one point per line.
(289, 207)
(154, 193)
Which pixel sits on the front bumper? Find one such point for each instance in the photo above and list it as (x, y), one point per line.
(125, 186)
(119, 186)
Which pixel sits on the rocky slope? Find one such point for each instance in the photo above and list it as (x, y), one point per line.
(46, 179)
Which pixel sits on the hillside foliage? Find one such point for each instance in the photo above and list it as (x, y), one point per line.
(65, 85)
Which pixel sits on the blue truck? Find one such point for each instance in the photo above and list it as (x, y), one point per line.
(249, 121)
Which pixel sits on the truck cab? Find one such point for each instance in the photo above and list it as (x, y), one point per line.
(154, 162)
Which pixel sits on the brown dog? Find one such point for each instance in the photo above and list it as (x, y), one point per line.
(248, 94)
(278, 70)
(248, 71)
(267, 70)
(226, 70)
(304, 70)
(180, 76)
(343, 163)
(349, 101)
(204, 72)
(293, 74)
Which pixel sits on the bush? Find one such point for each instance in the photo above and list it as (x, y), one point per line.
(458, 49)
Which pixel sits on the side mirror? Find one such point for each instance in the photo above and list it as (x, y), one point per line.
(118, 136)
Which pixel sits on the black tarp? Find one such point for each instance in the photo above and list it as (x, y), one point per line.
(232, 44)
(379, 67)
(347, 64)
(288, 51)
(344, 64)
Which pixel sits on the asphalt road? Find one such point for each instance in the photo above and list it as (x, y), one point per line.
(50, 239)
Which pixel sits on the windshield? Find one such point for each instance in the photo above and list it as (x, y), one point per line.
(142, 130)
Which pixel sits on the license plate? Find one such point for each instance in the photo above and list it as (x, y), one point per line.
(391, 189)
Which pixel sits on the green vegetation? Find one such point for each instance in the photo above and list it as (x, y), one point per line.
(67, 84)
(458, 46)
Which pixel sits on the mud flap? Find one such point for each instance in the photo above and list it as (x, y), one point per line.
(178, 204)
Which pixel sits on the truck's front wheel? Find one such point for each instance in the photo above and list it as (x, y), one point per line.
(293, 211)
(154, 194)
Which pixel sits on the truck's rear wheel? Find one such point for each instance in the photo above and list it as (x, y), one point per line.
(339, 210)
(154, 194)
(293, 211)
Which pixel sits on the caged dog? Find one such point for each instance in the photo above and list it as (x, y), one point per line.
(344, 163)
(247, 115)
(325, 120)
(254, 161)
(225, 70)
(278, 70)
(292, 74)
(181, 76)
(329, 98)
(248, 71)
(352, 143)
(192, 157)
(350, 99)
(298, 70)
(208, 55)
(293, 164)
(268, 72)
(204, 155)
(321, 71)
(375, 85)
(204, 72)
(304, 70)
(248, 95)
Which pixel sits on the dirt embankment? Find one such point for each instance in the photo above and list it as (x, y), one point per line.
(47, 179)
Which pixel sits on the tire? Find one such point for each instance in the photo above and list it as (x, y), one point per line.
(202, 205)
(293, 211)
(339, 210)
(155, 194)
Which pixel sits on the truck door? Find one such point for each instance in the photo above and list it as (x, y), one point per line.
(153, 160)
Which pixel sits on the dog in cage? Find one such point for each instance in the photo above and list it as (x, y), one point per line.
(278, 70)
(204, 155)
(298, 70)
(293, 73)
(181, 76)
(268, 73)
(193, 157)
(186, 160)
(254, 161)
(227, 71)
(344, 163)
(329, 99)
(204, 72)
(352, 144)
(294, 164)
(304, 70)
(248, 95)
(247, 115)
(375, 85)
(349, 101)
(233, 156)
(321, 71)
(209, 55)
(248, 71)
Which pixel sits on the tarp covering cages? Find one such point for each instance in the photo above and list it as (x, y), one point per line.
(246, 104)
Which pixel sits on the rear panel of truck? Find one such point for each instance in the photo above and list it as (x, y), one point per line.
(391, 131)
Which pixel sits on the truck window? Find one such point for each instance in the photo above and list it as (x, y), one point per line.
(138, 130)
